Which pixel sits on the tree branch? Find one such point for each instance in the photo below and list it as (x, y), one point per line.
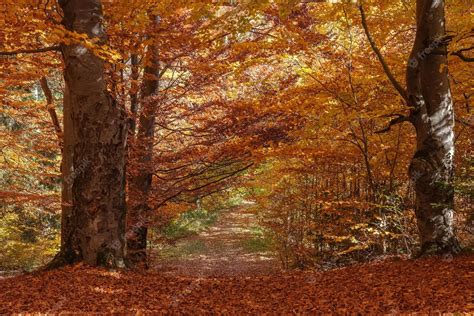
(463, 57)
(32, 51)
(465, 123)
(50, 107)
(399, 119)
(376, 50)
(460, 52)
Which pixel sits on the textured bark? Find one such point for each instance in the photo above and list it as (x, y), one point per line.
(142, 157)
(94, 147)
(429, 96)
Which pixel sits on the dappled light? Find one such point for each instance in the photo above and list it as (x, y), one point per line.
(236, 157)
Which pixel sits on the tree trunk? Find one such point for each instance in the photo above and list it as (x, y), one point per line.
(94, 140)
(142, 158)
(67, 178)
(429, 96)
(133, 94)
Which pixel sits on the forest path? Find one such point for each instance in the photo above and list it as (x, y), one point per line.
(234, 246)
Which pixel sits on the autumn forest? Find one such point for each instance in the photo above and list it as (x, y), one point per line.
(236, 156)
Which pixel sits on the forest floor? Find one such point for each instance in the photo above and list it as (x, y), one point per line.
(233, 246)
(226, 270)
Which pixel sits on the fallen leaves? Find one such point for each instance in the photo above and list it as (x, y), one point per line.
(391, 286)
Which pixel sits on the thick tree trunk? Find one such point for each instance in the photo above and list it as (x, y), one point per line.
(94, 140)
(142, 158)
(432, 114)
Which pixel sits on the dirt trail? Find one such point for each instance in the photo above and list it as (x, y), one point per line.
(232, 247)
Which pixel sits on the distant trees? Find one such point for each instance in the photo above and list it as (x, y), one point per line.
(159, 115)
(345, 96)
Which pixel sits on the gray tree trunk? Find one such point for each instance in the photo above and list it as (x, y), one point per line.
(429, 97)
(94, 141)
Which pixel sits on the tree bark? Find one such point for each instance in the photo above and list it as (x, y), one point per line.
(94, 146)
(142, 158)
(429, 97)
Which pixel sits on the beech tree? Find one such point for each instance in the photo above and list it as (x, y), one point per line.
(95, 133)
(287, 91)
(431, 103)
(428, 96)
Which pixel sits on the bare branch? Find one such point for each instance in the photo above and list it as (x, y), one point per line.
(463, 57)
(50, 107)
(32, 51)
(399, 119)
(465, 123)
(465, 49)
(376, 50)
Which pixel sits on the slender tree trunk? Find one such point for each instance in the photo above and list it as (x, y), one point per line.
(142, 173)
(429, 95)
(66, 164)
(134, 94)
(67, 248)
(94, 145)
